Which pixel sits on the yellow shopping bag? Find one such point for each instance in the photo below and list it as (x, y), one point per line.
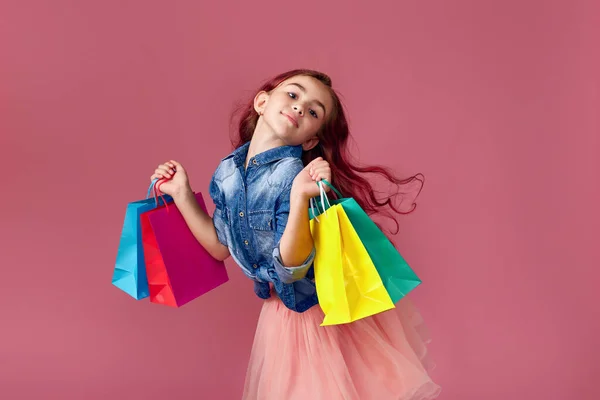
(348, 284)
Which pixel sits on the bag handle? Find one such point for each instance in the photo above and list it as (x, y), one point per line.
(337, 192)
(155, 188)
(312, 208)
(323, 196)
(324, 200)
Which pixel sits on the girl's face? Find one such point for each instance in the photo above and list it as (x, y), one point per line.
(295, 110)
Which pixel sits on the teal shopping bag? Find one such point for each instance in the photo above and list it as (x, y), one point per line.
(397, 276)
(129, 273)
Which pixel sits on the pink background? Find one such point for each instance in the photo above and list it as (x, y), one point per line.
(495, 102)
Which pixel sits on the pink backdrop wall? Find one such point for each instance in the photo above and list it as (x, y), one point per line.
(495, 102)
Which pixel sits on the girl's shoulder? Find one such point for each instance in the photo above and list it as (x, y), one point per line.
(284, 171)
(225, 168)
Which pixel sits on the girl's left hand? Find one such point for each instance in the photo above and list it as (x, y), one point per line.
(304, 184)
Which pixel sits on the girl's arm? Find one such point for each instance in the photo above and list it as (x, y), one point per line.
(296, 242)
(173, 180)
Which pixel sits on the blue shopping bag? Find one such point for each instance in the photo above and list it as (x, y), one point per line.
(129, 273)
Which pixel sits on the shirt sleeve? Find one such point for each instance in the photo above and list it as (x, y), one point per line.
(291, 274)
(287, 274)
(220, 213)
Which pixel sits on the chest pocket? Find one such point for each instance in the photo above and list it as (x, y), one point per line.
(261, 220)
(262, 223)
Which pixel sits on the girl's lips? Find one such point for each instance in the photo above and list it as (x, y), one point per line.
(292, 119)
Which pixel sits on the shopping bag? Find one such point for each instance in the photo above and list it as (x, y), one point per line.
(179, 269)
(348, 285)
(397, 276)
(129, 273)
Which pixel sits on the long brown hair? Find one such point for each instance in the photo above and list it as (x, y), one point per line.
(349, 179)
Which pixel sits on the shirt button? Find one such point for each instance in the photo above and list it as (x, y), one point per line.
(241, 213)
(246, 242)
(255, 266)
(254, 161)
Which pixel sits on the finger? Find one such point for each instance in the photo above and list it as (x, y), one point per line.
(316, 165)
(322, 172)
(173, 166)
(162, 173)
(326, 177)
(321, 177)
(167, 169)
(313, 173)
(313, 162)
(176, 165)
(320, 165)
(157, 175)
(162, 167)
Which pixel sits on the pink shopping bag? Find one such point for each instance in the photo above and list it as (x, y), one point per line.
(179, 269)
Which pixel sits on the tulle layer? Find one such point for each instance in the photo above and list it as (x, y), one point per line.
(383, 357)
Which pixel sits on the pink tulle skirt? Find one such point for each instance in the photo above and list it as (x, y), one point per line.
(382, 357)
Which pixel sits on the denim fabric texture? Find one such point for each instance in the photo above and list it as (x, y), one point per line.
(251, 211)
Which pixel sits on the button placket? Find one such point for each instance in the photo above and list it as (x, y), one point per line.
(243, 227)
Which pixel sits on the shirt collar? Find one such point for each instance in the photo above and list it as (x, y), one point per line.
(275, 154)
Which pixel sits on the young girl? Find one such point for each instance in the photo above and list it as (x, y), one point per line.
(292, 135)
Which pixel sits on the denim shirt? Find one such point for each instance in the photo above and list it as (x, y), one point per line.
(251, 211)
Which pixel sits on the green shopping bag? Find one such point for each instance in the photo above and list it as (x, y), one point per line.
(397, 276)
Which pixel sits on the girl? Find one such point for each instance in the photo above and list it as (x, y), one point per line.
(292, 135)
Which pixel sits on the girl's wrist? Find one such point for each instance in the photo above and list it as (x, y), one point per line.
(182, 195)
(298, 197)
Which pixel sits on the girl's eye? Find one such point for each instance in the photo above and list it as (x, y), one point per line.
(312, 112)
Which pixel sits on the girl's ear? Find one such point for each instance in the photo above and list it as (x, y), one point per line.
(260, 102)
(310, 143)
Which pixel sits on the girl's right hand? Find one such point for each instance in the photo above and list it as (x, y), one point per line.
(173, 179)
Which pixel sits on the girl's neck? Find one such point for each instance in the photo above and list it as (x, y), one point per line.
(262, 140)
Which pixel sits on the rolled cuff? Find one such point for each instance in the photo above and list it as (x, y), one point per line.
(291, 274)
(220, 227)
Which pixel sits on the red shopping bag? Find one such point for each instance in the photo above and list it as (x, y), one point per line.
(179, 269)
